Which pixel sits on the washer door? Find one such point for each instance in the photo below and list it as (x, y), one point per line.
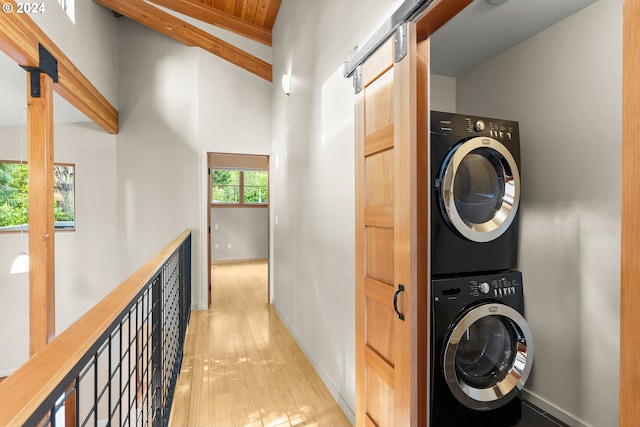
(487, 356)
(479, 189)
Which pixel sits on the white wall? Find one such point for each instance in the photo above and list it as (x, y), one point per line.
(158, 180)
(564, 87)
(176, 104)
(234, 108)
(85, 262)
(246, 230)
(442, 93)
(14, 289)
(312, 181)
(90, 42)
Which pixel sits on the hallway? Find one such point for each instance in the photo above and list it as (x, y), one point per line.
(241, 366)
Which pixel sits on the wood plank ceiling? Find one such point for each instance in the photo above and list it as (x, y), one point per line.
(253, 19)
(259, 12)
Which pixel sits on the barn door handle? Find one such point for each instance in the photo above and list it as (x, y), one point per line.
(395, 301)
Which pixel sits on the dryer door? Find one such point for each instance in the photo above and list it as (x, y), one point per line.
(487, 356)
(479, 189)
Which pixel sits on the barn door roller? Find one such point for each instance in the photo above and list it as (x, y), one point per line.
(408, 11)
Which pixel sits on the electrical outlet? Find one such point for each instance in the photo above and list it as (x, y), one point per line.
(216, 246)
(229, 246)
(215, 227)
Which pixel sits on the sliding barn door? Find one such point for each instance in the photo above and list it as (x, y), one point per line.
(630, 273)
(390, 239)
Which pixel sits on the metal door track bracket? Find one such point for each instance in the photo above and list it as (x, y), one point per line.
(400, 43)
(409, 11)
(358, 83)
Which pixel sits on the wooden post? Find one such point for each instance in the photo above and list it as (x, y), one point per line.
(41, 227)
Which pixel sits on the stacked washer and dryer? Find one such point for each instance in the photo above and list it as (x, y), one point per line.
(481, 344)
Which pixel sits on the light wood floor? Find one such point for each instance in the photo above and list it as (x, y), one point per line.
(241, 366)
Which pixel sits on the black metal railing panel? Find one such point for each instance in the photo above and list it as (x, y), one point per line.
(128, 377)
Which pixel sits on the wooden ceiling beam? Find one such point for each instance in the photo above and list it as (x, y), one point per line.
(19, 38)
(187, 34)
(218, 18)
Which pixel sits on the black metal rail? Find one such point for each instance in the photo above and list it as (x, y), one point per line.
(128, 376)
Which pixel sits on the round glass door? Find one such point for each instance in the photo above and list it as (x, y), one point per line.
(480, 189)
(487, 357)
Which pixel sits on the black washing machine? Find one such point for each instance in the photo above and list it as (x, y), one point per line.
(475, 193)
(481, 350)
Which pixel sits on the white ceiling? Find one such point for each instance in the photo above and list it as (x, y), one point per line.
(478, 33)
(481, 31)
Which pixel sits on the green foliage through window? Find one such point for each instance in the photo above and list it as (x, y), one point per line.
(226, 186)
(239, 187)
(256, 187)
(14, 196)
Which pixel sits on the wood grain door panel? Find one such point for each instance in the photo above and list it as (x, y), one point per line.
(392, 228)
(383, 348)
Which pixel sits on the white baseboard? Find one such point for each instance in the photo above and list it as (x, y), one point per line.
(348, 411)
(553, 410)
(215, 262)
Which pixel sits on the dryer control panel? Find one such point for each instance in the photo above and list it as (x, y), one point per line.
(466, 125)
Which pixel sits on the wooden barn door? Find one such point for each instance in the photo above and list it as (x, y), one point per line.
(630, 269)
(389, 162)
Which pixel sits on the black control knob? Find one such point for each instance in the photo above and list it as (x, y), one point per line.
(479, 126)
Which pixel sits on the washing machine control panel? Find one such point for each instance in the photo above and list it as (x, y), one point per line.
(471, 287)
(496, 287)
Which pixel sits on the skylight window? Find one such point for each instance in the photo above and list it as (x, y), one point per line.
(69, 7)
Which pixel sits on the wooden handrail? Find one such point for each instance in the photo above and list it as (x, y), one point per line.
(22, 392)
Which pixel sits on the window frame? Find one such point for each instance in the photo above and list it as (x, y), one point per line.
(241, 186)
(26, 229)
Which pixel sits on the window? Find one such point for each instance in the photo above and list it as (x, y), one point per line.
(226, 186)
(14, 197)
(69, 8)
(256, 187)
(239, 188)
